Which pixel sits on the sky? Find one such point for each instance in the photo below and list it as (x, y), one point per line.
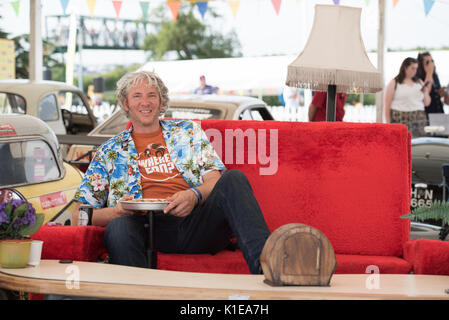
(263, 32)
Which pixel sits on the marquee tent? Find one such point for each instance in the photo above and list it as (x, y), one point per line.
(259, 76)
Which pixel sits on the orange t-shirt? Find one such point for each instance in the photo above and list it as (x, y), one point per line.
(159, 177)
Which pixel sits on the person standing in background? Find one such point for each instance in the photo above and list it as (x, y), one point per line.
(427, 73)
(205, 88)
(317, 108)
(406, 98)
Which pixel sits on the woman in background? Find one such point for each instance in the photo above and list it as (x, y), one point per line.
(427, 73)
(406, 98)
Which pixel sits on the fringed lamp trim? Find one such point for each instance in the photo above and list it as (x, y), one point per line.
(345, 80)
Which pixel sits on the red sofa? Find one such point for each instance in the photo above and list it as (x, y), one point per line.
(351, 181)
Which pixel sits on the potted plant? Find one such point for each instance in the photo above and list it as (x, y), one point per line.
(437, 210)
(18, 220)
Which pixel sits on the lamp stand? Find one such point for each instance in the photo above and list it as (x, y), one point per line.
(331, 102)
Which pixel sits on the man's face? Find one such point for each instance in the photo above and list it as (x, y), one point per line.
(143, 106)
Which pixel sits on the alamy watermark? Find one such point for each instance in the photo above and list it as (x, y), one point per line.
(257, 148)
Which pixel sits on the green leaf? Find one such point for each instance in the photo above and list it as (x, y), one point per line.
(8, 210)
(34, 228)
(437, 210)
(20, 211)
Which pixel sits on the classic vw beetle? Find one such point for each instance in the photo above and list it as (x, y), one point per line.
(31, 163)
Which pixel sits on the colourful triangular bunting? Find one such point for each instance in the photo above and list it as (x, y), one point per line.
(144, 6)
(234, 4)
(395, 2)
(428, 4)
(64, 4)
(174, 8)
(337, 2)
(276, 5)
(202, 7)
(117, 6)
(16, 6)
(91, 4)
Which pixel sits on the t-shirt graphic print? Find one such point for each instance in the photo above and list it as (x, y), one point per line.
(159, 176)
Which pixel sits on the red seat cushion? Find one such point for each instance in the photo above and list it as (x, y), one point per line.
(83, 243)
(233, 262)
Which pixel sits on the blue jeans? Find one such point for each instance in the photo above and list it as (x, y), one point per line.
(230, 210)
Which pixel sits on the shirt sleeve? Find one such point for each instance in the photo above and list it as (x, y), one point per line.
(319, 99)
(207, 157)
(95, 184)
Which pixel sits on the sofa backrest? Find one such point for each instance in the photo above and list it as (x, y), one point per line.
(349, 180)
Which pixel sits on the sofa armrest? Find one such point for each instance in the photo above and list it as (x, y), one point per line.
(428, 256)
(83, 243)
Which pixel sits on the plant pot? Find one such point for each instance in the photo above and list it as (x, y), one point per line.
(14, 253)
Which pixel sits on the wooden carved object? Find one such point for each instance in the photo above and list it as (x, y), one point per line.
(297, 254)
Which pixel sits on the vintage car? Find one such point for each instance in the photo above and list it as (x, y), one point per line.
(32, 165)
(63, 107)
(180, 107)
(430, 156)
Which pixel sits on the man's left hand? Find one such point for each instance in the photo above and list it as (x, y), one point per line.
(181, 203)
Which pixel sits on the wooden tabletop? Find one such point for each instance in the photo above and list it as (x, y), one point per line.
(90, 279)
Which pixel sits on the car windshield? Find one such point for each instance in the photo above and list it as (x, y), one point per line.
(12, 103)
(27, 162)
(193, 113)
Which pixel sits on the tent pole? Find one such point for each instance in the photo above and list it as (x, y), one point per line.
(380, 59)
(36, 52)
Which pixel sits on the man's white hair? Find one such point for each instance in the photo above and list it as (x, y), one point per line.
(131, 79)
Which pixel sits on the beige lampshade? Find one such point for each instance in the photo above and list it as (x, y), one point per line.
(335, 54)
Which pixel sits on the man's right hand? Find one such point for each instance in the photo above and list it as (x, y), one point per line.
(118, 209)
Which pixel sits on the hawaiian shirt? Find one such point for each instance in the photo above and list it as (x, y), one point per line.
(114, 171)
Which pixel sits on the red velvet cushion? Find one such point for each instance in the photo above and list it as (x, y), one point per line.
(349, 180)
(233, 262)
(358, 264)
(223, 262)
(429, 256)
(84, 243)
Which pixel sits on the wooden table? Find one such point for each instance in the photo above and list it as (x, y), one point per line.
(89, 279)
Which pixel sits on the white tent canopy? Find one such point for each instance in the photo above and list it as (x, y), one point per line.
(261, 75)
(242, 76)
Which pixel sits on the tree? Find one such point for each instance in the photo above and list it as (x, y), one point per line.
(22, 55)
(189, 38)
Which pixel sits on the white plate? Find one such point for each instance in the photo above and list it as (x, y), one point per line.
(144, 204)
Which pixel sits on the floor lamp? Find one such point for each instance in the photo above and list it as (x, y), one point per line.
(334, 58)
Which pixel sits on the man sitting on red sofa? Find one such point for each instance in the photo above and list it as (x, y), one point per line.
(173, 160)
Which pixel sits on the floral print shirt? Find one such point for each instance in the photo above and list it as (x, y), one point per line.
(114, 171)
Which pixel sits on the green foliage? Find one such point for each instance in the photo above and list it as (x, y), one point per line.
(18, 219)
(437, 210)
(188, 38)
(272, 100)
(369, 99)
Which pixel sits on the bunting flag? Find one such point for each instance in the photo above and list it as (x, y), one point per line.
(337, 2)
(144, 6)
(174, 8)
(367, 2)
(117, 6)
(91, 4)
(395, 2)
(234, 4)
(64, 4)
(428, 4)
(276, 5)
(202, 7)
(16, 6)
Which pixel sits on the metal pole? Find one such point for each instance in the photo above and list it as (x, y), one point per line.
(331, 105)
(151, 250)
(80, 52)
(36, 52)
(380, 59)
